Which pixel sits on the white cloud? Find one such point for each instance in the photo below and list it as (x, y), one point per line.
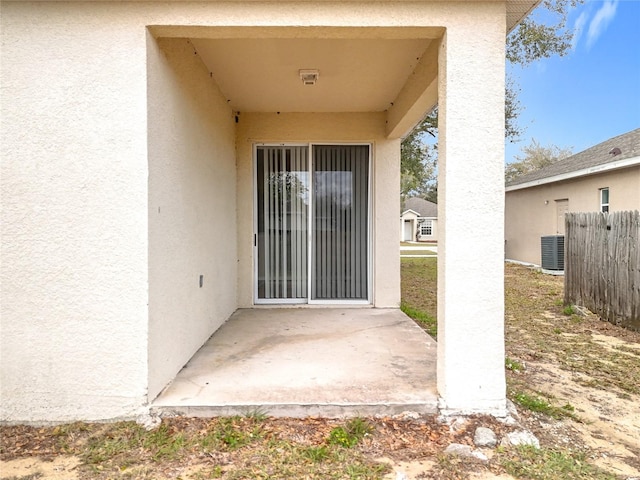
(578, 27)
(541, 67)
(601, 21)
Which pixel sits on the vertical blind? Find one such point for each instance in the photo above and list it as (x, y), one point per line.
(336, 211)
(340, 219)
(283, 197)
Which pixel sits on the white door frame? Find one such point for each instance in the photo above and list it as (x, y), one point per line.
(308, 300)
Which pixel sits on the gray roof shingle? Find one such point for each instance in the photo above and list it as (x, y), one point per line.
(423, 207)
(628, 143)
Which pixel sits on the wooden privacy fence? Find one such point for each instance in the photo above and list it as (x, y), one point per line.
(602, 265)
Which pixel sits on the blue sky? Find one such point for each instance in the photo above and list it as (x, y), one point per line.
(593, 93)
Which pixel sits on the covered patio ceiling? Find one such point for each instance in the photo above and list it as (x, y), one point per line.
(355, 74)
(361, 69)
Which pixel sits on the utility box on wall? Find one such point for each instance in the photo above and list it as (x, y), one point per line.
(552, 252)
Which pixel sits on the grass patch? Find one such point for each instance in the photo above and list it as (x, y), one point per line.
(417, 244)
(125, 446)
(417, 252)
(538, 404)
(241, 447)
(115, 444)
(419, 278)
(526, 462)
(279, 458)
(363, 471)
(163, 443)
(426, 321)
(232, 435)
(513, 365)
(316, 454)
(351, 433)
(257, 414)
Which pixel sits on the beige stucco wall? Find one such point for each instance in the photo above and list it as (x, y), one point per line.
(470, 214)
(531, 212)
(326, 128)
(74, 213)
(192, 208)
(84, 258)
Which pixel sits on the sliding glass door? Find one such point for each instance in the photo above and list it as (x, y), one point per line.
(339, 248)
(312, 223)
(282, 175)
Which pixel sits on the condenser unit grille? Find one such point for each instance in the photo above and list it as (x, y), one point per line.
(552, 252)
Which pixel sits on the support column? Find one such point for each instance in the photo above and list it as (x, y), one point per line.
(470, 370)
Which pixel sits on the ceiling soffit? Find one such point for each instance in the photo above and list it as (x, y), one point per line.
(355, 74)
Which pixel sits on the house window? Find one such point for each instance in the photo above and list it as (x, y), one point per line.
(426, 228)
(604, 200)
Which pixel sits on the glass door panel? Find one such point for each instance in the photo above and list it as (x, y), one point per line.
(282, 223)
(339, 257)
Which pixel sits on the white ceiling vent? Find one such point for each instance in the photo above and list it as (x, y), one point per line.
(309, 77)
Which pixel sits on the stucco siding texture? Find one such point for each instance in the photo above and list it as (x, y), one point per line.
(192, 208)
(470, 214)
(74, 221)
(121, 186)
(531, 213)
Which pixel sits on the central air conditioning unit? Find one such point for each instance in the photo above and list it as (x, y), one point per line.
(552, 252)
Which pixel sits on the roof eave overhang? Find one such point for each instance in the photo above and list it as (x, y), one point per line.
(420, 93)
(517, 10)
(607, 167)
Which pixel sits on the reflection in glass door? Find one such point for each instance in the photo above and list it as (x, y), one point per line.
(312, 223)
(282, 222)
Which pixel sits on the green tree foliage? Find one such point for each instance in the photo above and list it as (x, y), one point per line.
(543, 34)
(512, 109)
(534, 39)
(418, 160)
(535, 157)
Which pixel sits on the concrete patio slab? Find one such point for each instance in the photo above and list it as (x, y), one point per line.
(308, 361)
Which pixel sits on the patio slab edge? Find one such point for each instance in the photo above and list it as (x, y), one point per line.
(298, 410)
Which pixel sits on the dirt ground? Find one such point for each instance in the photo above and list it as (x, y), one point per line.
(609, 425)
(577, 360)
(586, 369)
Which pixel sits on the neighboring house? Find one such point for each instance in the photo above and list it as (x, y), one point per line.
(419, 220)
(136, 136)
(603, 178)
